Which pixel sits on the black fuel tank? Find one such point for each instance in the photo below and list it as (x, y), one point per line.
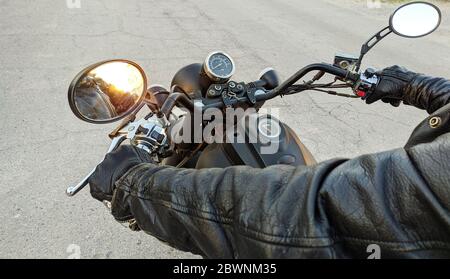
(281, 146)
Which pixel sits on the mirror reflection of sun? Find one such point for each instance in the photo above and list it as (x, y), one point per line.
(122, 76)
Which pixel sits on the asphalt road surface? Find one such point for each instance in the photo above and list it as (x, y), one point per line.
(44, 148)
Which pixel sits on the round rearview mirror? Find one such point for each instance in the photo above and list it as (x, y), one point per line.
(415, 19)
(107, 91)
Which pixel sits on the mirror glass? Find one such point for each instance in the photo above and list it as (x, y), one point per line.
(109, 91)
(415, 20)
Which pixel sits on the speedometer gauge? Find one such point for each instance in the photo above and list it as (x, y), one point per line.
(219, 66)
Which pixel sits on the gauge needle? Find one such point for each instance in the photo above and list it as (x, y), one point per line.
(217, 66)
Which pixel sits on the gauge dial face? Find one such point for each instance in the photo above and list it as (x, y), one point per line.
(220, 65)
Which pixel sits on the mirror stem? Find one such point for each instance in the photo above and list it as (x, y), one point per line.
(371, 43)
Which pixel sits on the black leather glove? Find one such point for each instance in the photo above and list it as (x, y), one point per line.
(392, 85)
(114, 166)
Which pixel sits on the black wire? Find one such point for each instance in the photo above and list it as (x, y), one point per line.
(316, 87)
(336, 93)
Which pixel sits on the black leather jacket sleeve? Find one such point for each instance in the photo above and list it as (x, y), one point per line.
(398, 200)
(429, 93)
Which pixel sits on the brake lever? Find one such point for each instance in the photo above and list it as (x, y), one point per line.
(73, 190)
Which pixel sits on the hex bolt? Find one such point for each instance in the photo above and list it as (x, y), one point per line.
(435, 122)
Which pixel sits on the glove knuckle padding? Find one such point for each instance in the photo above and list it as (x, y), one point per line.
(114, 166)
(392, 84)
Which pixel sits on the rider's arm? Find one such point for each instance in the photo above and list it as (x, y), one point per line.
(398, 84)
(429, 93)
(398, 200)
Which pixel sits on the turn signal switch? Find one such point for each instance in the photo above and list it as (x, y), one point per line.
(367, 83)
(150, 137)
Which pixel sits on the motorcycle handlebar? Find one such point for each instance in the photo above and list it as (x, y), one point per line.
(324, 67)
(183, 100)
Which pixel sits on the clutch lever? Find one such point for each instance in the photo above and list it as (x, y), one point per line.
(72, 190)
(126, 130)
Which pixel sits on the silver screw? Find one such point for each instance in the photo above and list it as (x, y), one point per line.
(435, 122)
